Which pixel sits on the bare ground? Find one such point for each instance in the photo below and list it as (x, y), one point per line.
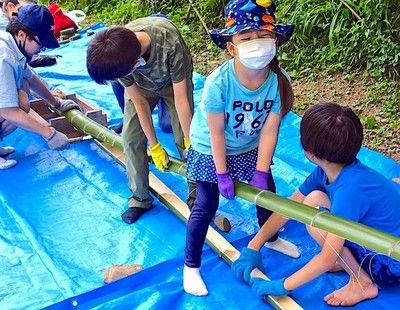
(384, 139)
(333, 88)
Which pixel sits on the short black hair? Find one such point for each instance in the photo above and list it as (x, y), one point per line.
(331, 132)
(14, 26)
(5, 2)
(111, 54)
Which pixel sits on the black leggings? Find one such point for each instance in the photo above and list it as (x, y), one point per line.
(201, 215)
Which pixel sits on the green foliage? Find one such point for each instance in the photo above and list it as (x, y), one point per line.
(336, 35)
(330, 35)
(358, 38)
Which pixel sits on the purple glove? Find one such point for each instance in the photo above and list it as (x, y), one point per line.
(225, 185)
(260, 179)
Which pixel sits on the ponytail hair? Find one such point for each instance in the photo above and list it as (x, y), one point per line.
(285, 87)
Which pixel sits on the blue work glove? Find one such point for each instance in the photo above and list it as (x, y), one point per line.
(247, 261)
(67, 104)
(268, 287)
(260, 179)
(225, 185)
(57, 140)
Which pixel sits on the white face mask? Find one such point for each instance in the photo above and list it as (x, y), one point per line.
(256, 54)
(140, 62)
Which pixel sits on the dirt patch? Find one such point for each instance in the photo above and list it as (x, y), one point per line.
(337, 89)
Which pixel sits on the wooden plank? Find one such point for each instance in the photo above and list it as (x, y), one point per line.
(41, 110)
(214, 239)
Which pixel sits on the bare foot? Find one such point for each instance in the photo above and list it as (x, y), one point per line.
(351, 294)
(336, 268)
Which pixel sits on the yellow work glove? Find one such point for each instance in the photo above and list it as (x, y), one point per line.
(159, 156)
(186, 143)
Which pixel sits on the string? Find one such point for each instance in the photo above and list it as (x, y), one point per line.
(352, 274)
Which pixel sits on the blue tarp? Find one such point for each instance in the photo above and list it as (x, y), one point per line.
(61, 226)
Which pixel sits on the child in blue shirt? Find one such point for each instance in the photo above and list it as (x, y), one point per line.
(234, 131)
(331, 136)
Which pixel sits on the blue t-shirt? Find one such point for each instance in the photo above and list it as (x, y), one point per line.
(245, 110)
(360, 194)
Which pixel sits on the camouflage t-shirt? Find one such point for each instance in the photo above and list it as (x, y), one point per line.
(169, 61)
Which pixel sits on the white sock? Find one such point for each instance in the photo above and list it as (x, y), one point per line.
(193, 282)
(7, 163)
(283, 246)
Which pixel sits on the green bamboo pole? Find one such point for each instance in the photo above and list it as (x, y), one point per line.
(361, 234)
(92, 128)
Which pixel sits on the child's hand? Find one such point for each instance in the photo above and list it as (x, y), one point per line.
(225, 185)
(260, 179)
(248, 260)
(159, 156)
(186, 143)
(268, 287)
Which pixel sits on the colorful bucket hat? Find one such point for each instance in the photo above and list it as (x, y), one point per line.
(250, 14)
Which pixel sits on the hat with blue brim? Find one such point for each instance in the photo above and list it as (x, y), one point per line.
(39, 20)
(242, 15)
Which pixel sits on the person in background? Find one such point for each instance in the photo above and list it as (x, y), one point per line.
(331, 136)
(27, 33)
(150, 58)
(61, 21)
(235, 128)
(9, 8)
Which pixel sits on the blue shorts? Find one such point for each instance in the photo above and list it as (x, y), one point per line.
(381, 268)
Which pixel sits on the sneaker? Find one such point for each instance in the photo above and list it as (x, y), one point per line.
(283, 246)
(6, 150)
(7, 163)
(222, 223)
(131, 215)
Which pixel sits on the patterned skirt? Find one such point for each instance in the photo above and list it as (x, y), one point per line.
(201, 167)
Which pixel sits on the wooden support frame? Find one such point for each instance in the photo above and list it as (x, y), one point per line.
(40, 108)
